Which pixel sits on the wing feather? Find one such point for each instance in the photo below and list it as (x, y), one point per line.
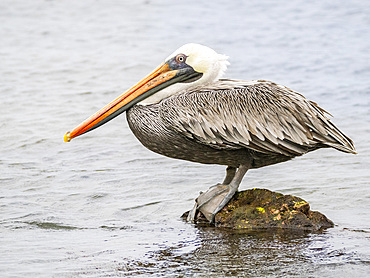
(258, 115)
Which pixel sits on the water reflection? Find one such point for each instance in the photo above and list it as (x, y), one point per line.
(269, 253)
(224, 252)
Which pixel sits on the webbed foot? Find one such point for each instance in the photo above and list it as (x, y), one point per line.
(209, 203)
(210, 200)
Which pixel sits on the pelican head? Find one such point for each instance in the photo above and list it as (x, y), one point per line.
(203, 60)
(189, 66)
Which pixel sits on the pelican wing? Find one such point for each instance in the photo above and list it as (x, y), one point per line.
(259, 115)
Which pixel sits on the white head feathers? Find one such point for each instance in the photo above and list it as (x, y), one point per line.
(203, 60)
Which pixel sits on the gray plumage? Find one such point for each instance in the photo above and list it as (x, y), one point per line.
(233, 123)
(184, 111)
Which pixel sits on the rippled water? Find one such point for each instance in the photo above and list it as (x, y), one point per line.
(103, 205)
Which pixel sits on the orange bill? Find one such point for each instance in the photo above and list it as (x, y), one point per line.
(152, 83)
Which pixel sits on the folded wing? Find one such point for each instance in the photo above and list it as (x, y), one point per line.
(258, 115)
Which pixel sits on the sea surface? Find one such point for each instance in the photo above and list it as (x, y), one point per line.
(104, 206)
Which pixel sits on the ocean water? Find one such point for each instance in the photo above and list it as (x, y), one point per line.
(104, 206)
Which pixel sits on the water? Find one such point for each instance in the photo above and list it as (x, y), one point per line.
(103, 205)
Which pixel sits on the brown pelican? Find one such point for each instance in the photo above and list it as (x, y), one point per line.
(184, 110)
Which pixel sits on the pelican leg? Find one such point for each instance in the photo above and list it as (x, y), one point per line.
(216, 190)
(217, 196)
(232, 189)
(211, 193)
(207, 201)
(230, 174)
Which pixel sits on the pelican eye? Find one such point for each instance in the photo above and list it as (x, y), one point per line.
(180, 58)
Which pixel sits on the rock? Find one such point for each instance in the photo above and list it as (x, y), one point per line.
(264, 209)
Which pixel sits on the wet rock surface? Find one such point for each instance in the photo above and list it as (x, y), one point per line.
(264, 209)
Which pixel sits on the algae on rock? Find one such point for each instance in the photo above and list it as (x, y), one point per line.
(264, 209)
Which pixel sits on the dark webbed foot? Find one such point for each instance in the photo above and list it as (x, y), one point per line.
(208, 201)
(217, 196)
